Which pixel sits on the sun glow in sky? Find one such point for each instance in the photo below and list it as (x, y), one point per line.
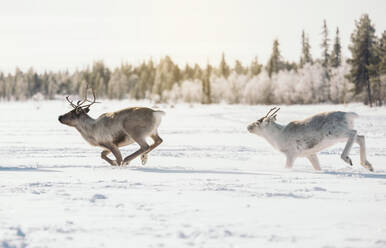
(58, 35)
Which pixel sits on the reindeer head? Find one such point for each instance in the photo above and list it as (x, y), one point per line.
(258, 126)
(80, 109)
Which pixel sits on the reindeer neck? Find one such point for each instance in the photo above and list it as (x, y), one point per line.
(273, 134)
(86, 127)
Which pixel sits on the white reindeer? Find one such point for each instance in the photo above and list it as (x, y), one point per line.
(306, 138)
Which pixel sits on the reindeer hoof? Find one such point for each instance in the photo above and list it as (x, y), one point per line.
(347, 160)
(144, 158)
(368, 166)
(125, 163)
(114, 163)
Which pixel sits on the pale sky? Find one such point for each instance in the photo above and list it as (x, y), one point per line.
(70, 34)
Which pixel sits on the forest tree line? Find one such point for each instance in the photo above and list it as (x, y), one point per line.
(329, 78)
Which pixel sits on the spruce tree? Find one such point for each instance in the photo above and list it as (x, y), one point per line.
(2, 86)
(325, 45)
(362, 56)
(377, 71)
(325, 63)
(197, 71)
(206, 89)
(274, 63)
(255, 67)
(223, 67)
(382, 68)
(239, 69)
(306, 55)
(382, 49)
(336, 54)
(188, 73)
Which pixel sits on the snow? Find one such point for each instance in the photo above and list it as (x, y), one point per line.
(210, 184)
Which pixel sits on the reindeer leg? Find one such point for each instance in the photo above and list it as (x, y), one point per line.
(290, 161)
(143, 148)
(313, 158)
(144, 158)
(157, 141)
(362, 147)
(114, 149)
(352, 134)
(104, 156)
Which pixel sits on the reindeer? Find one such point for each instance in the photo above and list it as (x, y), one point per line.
(113, 130)
(306, 138)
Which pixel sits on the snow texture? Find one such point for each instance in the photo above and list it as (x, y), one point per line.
(210, 184)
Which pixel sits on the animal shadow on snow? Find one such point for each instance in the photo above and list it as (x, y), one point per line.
(190, 171)
(355, 174)
(346, 174)
(24, 169)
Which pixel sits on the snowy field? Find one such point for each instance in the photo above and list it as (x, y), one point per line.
(210, 184)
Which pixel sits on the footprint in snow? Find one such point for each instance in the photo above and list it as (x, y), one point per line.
(97, 197)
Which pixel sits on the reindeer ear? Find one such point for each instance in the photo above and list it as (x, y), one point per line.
(86, 110)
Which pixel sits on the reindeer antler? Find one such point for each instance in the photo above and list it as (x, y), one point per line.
(275, 112)
(80, 103)
(270, 112)
(71, 103)
(91, 102)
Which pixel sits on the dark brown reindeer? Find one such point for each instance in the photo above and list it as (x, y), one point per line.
(113, 130)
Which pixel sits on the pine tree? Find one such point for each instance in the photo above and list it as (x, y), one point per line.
(167, 74)
(325, 45)
(382, 49)
(223, 67)
(377, 71)
(239, 69)
(2, 86)
(336, 54)
(197, 72)
(382, 68)
(363, 52)
(255, 67)
(188, 73)
(289, 66)
(151, 70)
(206, 89)
(306, 55)
(143, 78)
(274, 64)
(97, 78)
(325, 63)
